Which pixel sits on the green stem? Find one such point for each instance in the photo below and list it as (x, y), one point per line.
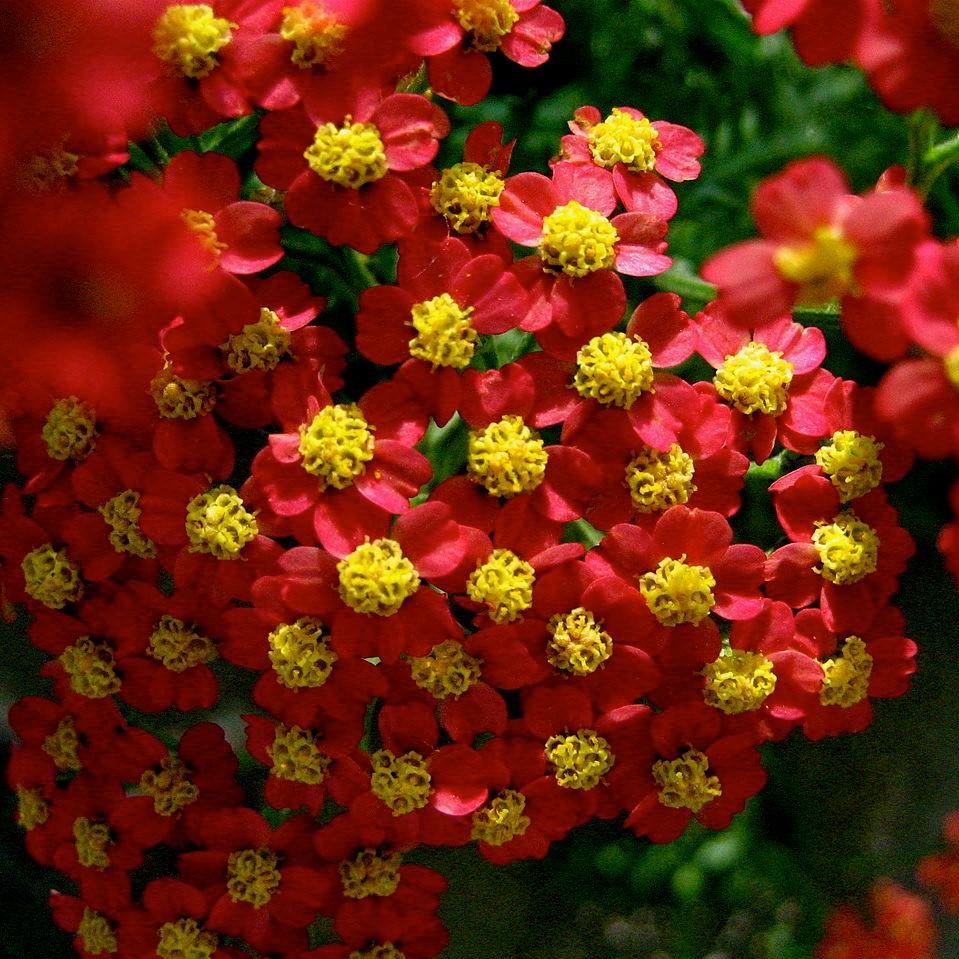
(687, 286)
(936, 160)
(359, 267)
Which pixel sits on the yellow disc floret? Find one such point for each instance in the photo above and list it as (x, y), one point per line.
(69, 430)
(90, 668)
(50, 578)
(336, 445)
(349, 156)
(621, 138)
(296, 757)
(950, 363)
(317, 36)
(504, 582)
(614, 369)
(846, 676)
(180, 399)
(385, 950)
(578, 644)
(202, 225)
(179, 646)
(848, 549)
(95, 933)
(122, 514)
(580, 759)
(376, 578)
(252, 876)
(91, 840)
(507, 457)
(658, 480)
(944, 15)
(444, 334)
(823, 267)
(218, 523)
(684, 783)
(755, 380)
(62, 745)
(488, 20)
(851, 461)
(678, 592)
(447, 670)
(501, 819)
(300, 656)
(169, 786)
(371, 874)
(50, 170)
(32, 809)
(577, 240)
(184, 939)
(258, 346)
(402, 782)
(466, 194)
(188, 36)
(738, 681)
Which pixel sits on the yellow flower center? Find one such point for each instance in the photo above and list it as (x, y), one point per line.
(92, 839)
(300, 656)
(488, 20)
(349, 156)
(369, 874)
(678, 592)
(61, 746)
(504, 582)
(252, 876)
(179, 646)
(944, 15)
(385, 950)
(70, 429)
(317, 36)
(184, 939)
(90, 667)
(296, 757)
(95, 934)
(577, 240)
(336, 445)
(846, 676)
(684, 784)
(580, 759)
(122, 514)
(501, 819)
(621, 138)
(755, 380)
(658, 480)
(50, 578)
(48, 171)
(950, 363)
(202, 225)
(507, 457)
(444, 334)
(218, 523)
(259, 346)
(738, 682)
(180, 399)
(465, 194)
(402, 782)
(848, 549)
(32, 809)
(823, 267)
(376, 578)
(170, 787)
(578, 644)
(851, 461)
(447, 670)
(614, 369)
(188, 36)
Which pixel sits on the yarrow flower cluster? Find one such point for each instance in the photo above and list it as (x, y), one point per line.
(487, 581)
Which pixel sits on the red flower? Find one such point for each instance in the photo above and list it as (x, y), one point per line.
(824, 31)
(941, 870)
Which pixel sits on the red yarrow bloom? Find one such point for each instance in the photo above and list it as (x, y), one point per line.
(875, 663)
(94, 933)
(455, 35)
(824, 31)
(848, 558)
(772, 377)
(345, 172)
(948, 541)
(820, 243)
(941, 870)
(636, 154)
(902, 927)
(567, 218)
